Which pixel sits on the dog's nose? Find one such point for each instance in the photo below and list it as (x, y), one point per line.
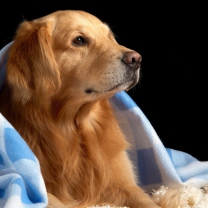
(133, 59)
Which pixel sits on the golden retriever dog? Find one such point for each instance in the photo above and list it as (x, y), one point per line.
(61, 70)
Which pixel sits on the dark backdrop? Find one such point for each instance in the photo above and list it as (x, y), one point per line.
(171, 38)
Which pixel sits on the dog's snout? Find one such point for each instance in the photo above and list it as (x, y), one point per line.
(133, 59)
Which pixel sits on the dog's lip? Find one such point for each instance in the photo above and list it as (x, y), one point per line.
(109, 90)
(129, 84)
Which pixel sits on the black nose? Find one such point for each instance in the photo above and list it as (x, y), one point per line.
(133, 59)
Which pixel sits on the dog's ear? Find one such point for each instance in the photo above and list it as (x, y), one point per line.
(32, 70)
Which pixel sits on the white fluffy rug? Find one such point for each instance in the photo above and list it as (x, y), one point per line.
(188, 196)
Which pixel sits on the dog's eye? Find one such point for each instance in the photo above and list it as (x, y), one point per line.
(79, 40)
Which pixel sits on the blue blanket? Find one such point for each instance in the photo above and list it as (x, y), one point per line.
(21, 182)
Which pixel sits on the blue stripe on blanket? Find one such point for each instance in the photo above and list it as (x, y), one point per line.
(147, 156)
(3, 61)
(126, 103)
(16, 148)
(1, 161)
(24, 196)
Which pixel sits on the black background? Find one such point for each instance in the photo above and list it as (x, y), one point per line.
(172, 40)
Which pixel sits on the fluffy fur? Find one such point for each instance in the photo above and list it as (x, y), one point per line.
(61, 70)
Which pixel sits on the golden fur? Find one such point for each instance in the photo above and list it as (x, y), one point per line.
(61, 70)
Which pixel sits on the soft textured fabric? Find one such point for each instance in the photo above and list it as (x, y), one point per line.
(21, 182)
(155, 164)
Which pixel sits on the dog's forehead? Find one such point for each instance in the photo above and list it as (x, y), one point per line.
(78, 20)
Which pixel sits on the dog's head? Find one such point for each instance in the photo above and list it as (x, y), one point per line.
(70, 52)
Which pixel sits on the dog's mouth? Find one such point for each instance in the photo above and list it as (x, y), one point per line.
(125, 85)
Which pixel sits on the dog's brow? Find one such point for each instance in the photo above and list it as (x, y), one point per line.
(110, 32)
